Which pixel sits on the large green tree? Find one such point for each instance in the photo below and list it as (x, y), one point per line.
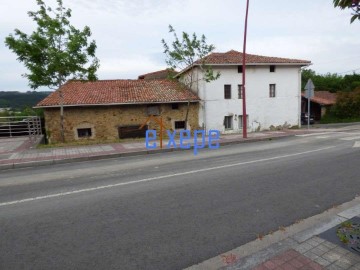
(185, 52)
(352, 4)
(55, 52)
(332, 82)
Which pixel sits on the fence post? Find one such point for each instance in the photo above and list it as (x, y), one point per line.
(39, 121)
(29, 128)
(10, 127)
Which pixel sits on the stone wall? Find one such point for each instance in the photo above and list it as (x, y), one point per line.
(105, 120)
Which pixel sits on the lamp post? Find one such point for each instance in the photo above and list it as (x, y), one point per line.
(243, 75)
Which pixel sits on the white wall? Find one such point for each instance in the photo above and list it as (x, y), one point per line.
(263, 111)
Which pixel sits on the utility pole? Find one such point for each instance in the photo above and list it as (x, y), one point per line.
(309, 93)
(243, 74)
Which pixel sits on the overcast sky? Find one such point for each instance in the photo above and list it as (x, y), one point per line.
(129, 33)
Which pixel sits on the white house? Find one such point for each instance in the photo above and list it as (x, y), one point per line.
(273, 92)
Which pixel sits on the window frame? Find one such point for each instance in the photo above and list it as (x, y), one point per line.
(272, 68)
(177, 122)
(230, 121)
(175, 106)
(85, 130)
(227, 91)
(240, 117)
(153, 110)
(240, 69)
(240, 92)
(272, 91)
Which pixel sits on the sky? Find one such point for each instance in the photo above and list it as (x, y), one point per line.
(128, 34)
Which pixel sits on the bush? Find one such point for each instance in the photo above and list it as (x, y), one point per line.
(347, 105)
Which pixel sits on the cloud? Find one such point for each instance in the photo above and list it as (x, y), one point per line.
(129, 33)
(131, 67)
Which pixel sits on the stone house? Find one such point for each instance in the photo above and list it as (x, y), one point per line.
(273, 92)
(111, 109)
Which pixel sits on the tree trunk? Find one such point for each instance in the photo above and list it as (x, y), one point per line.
(62, 133)
(61, 97)
(187, 113)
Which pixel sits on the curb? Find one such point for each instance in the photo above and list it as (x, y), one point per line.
(258, 251)
(126, 154)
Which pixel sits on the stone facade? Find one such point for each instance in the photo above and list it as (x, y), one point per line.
(104, 121)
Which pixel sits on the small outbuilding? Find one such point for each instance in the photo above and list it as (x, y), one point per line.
(319, 104)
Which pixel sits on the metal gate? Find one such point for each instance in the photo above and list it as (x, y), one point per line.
(13, 126)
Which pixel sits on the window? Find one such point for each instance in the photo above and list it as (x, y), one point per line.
(153, 110)
(228, 122)
(272, 90)
(175, 106)
(240, 69)
(272, 68)
(240, 91)
(84, 132)
(241, 121)
(180, 125)
(227, 91)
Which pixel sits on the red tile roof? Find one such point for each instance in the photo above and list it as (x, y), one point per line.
(112, 92)
(323, 97)
(235, 57)
(161, 74)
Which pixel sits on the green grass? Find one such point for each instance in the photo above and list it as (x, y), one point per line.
(328, 119)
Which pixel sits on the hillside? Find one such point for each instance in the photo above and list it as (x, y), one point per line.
(18, 100)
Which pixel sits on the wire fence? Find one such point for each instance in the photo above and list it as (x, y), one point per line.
(15, 126)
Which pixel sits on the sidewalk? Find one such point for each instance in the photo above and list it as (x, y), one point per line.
(307, 244)
(20, 152)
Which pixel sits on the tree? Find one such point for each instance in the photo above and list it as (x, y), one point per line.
(185, 53)
(306, 74)
(332, 82)
(329, 82)
(353, 4)
(55, 52)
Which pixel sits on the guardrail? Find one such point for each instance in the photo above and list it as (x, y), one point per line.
(14, 126)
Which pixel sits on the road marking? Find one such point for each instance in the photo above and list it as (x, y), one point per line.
(350, 138)
(160, 177)
(315, 134)
(322, 137)
(322, 133)
(356, 144)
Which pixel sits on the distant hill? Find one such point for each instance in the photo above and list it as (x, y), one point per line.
(17, 100)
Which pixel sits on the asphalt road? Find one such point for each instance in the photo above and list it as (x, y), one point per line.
(171, 210)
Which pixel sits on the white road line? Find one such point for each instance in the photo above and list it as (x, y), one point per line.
(324, 133)
(159, 177)
(357, 144)
(316, 134)
(350, 138)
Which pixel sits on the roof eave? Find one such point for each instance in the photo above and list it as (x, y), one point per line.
(262, 64)
(115, 104)
(302, 64)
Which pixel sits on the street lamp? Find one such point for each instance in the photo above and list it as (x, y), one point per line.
(244, 119)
